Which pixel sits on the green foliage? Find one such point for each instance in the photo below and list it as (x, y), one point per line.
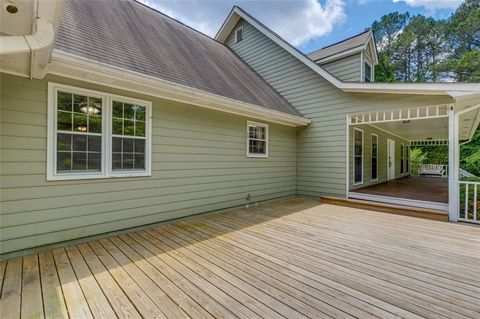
(422, 49)
(470, 155)
(417, 157)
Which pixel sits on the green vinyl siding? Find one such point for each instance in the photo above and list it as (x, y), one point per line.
(368, 130)
(321, 147)
(199, 164)
(347, 69)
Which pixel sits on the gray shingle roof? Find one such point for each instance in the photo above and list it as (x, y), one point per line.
(130, 35)
(347, 44)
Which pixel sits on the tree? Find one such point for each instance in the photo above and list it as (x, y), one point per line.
(470, 155)
(422, 49)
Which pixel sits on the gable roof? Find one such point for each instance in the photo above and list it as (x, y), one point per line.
(348, 46)
(132, 36)
(454, 90)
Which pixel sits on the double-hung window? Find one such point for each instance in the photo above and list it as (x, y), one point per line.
(257, 139)
(96, 135)
(374, 158)
(358, 156)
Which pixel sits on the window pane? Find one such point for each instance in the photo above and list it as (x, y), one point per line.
(80, 104)
(139, 128)
(128, 145)
(139, 161)
(257, 147)
(79, 161)
(64, 101)
(64, 142)
(95, 124)
(64, 161)
(374, 168)
(94, 106)
(140, 113)
(129, 111)
(117, 109)
(94, 143)
(127, 160)
(358, 169)
(116, 161)
(117, 144)
(80, 143)
(64, 121)
(94, 162)
(80, 122)
(139, 146)
(117, 126)
(128, 127)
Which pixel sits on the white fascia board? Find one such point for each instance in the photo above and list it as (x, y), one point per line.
(451, 89)
(72, 66)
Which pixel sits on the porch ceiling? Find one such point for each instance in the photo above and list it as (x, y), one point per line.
(414, 130)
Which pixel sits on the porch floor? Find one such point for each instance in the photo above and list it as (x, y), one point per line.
(292, 258)
(430, 189)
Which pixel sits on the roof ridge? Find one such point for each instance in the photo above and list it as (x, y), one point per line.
(341, 41)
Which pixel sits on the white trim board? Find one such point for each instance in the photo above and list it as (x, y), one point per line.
(399, 201)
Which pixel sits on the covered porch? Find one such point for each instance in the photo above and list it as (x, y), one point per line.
(383, 169)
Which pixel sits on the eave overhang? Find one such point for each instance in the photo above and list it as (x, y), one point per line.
(79, 68)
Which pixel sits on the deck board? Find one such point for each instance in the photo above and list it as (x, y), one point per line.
(291, 258)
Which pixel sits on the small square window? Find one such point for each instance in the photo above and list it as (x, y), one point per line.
(239, 34)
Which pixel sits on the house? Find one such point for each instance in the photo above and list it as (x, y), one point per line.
(117, 116)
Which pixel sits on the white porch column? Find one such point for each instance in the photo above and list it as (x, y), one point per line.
(453, 165)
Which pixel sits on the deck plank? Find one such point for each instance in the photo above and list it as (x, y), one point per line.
(75, 300)
(99, 305)
(32, 303)
(292, 258)
(115, 295)
(10, 301)
(53, 301)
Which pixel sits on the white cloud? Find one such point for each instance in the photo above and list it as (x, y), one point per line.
(432, 4)
(298, 21)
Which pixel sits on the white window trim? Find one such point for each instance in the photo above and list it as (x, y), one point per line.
(371, 155)
(248, 140)
(243, 34)
(402, 158)
(106, 165)
(363, 155)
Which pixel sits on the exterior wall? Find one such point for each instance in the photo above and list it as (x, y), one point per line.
(321, 147)
(367, 56)
(198, 165)
(368, 130)
(347, 69)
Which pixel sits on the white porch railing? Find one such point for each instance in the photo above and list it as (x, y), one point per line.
(469, 210)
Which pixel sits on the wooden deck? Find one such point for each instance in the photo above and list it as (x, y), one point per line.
(430, 189)
(292, 258)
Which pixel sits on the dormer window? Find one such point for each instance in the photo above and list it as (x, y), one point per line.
(239, 34)
(367, 72)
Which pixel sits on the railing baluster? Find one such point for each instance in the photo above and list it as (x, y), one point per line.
(466, 201)
(475, 202)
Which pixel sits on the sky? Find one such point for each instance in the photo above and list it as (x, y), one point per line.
(307, 24)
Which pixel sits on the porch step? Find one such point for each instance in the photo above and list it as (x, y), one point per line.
(387, 208)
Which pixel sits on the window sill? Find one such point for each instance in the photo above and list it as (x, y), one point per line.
(82, 177)
(257, 155)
